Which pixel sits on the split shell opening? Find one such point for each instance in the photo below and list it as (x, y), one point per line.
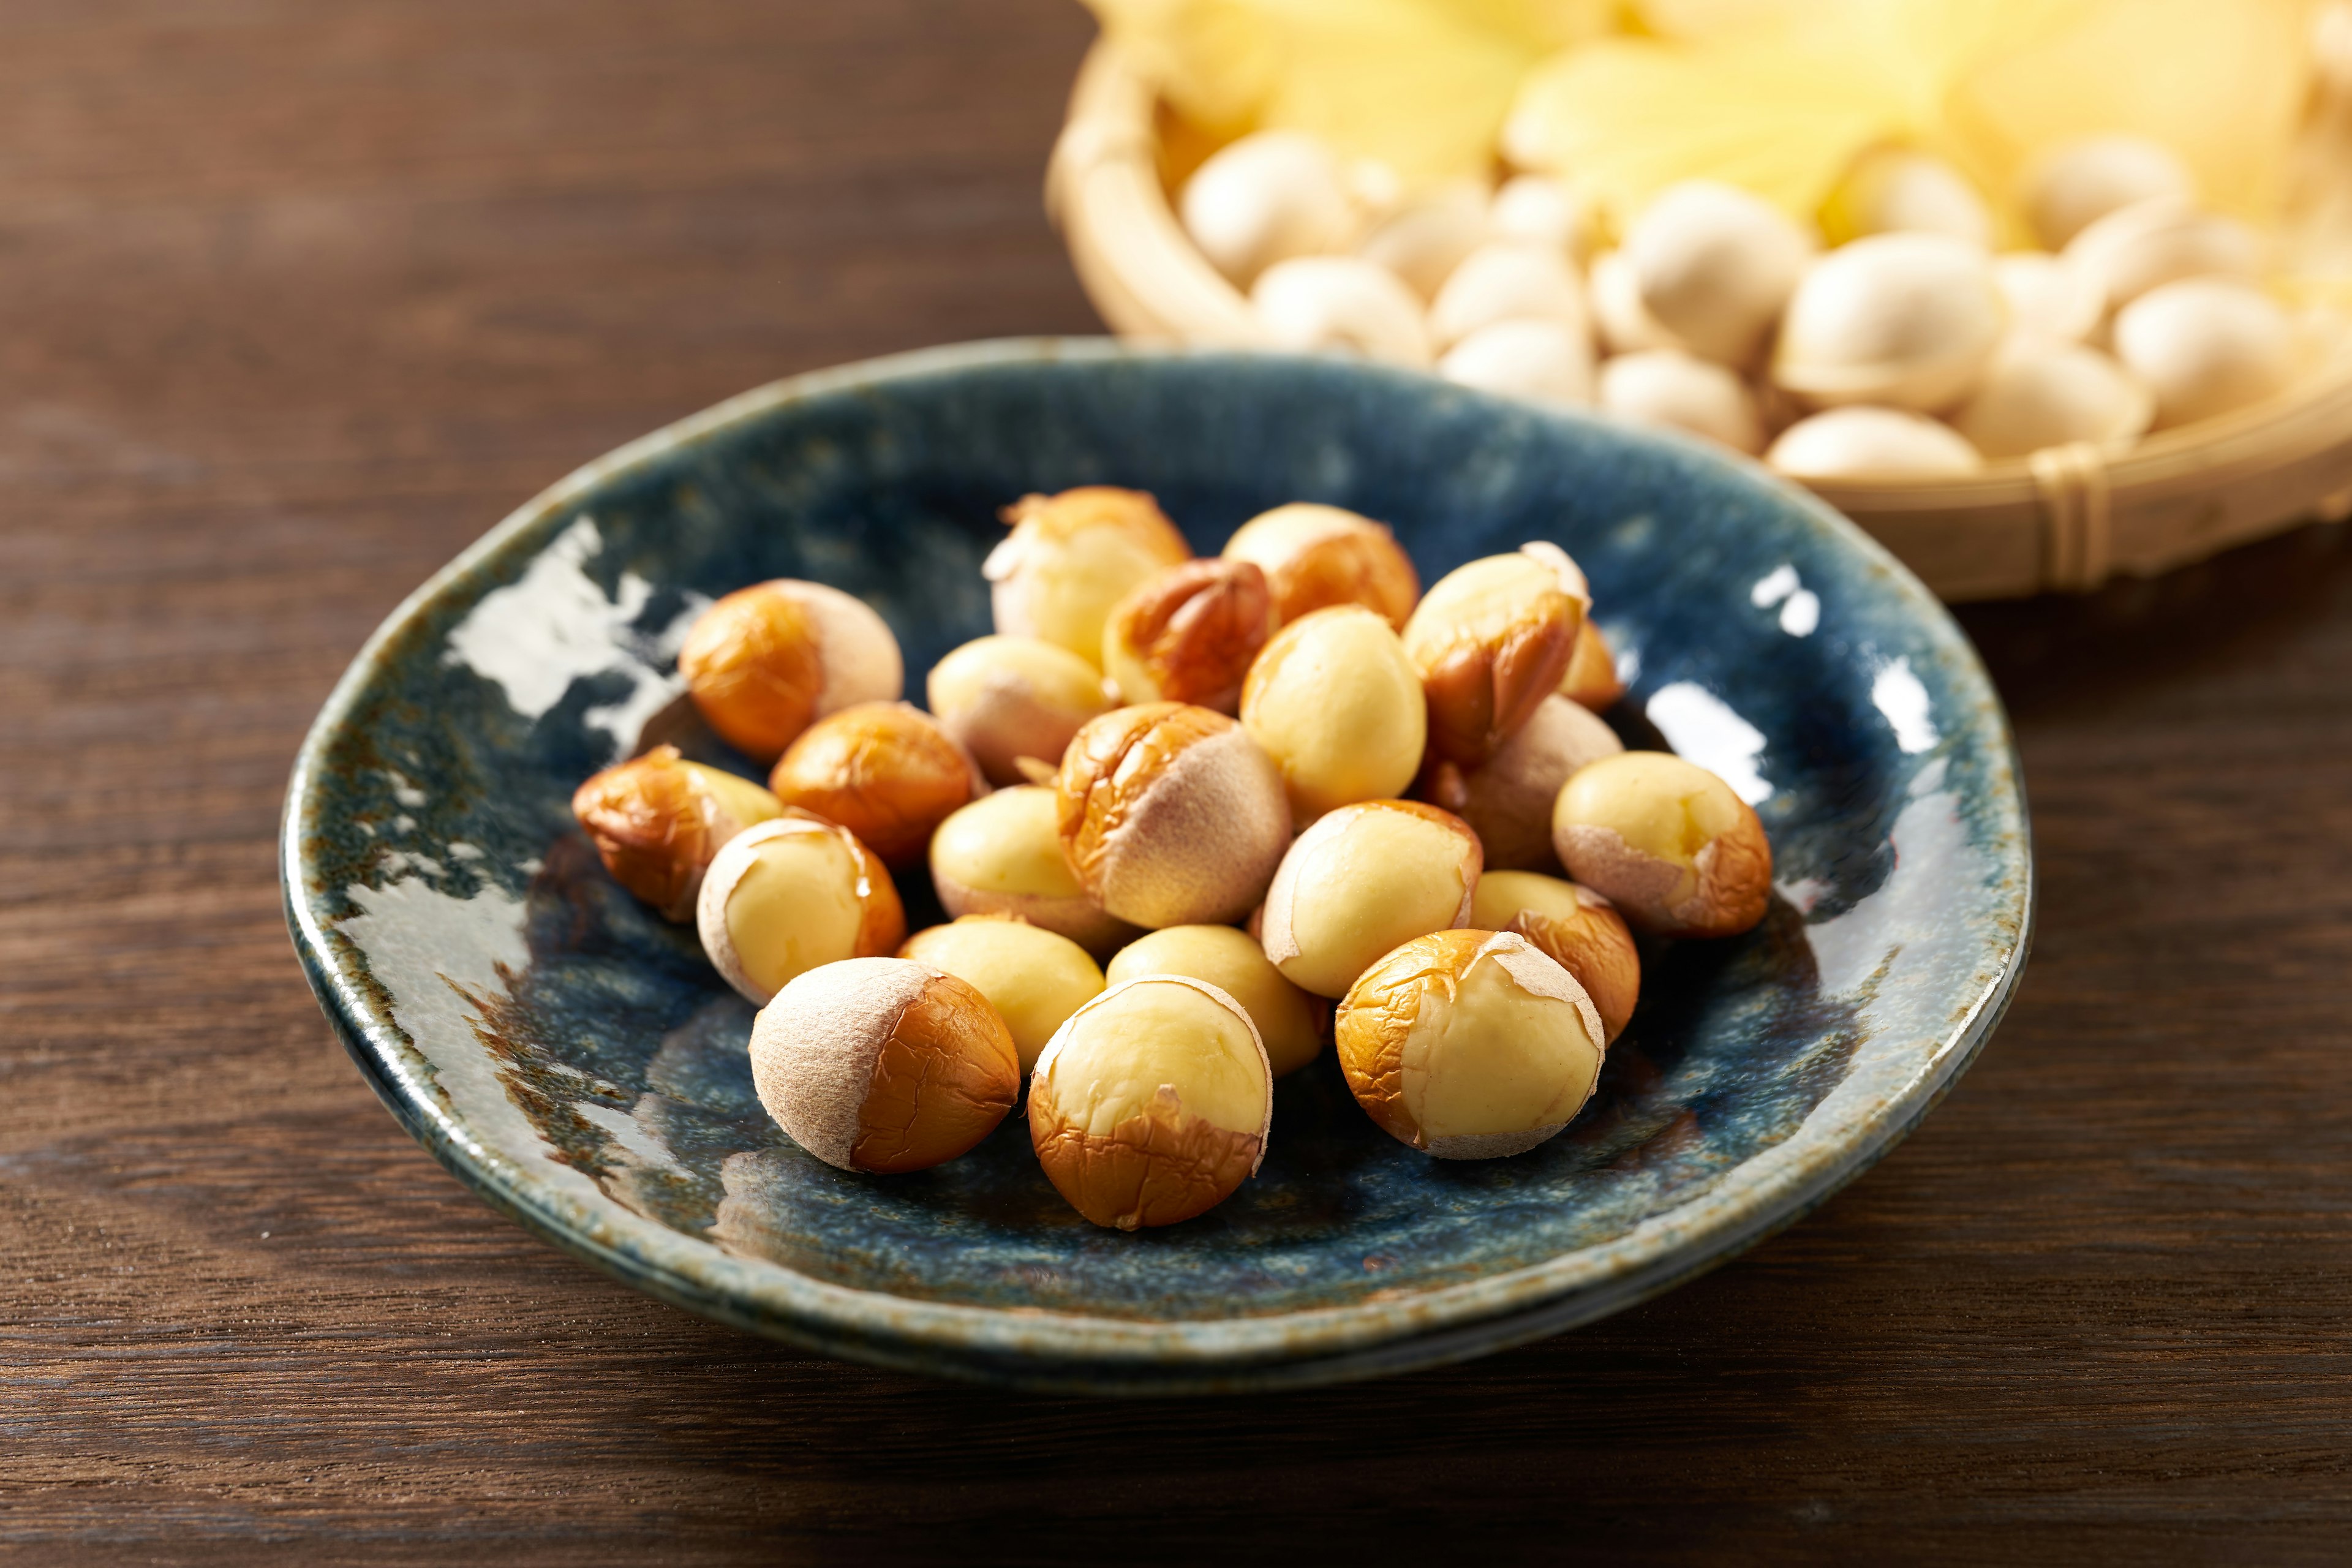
(1491, 639)
(789, 895)
(1317, 556)
(1070, 557)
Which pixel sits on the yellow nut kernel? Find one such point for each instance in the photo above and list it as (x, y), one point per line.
(1170, 815)
(1336, 703)
(882, 1064)
(1004, 699)
(1289, 1021)
(1491, 640)
(885, 771)
(1591, 678)
(763, 662)
(1471, 1045)
(1362, 880)
(1001, 854)
(1070, 557)
(1509, 802)
(1034, 978)
(1188, 633)
(1152, 1103)
(1574, 927)
(657, 820)
(1667, 842)
(1318, 556)
(791, 894)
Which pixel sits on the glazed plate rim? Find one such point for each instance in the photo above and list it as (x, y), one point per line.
(1054, 1348)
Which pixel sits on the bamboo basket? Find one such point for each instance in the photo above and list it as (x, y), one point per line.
(2065, 520)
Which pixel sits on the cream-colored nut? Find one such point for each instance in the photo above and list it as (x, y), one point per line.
(1360, 880)
(1491, 639)
(1667, 842)
(1591, 681)
(1713, 265)
(1872, 443)
(791, 894)
(1893, 190)
(1170, 815)
(2074, 184)
(1001, 854)
(2131, 251)
(1289, 1021)
(882, 1064)
(1152, 1103)
(1508, 280)
(2048, 298)
(1002, 699)
(763, 662)
(2205, 346)
(1471, 1045)
(885, 771)
(657, 820)
(1188, 634)
(1423, 241)
(1900, 321)
(1574, 927)
(2042, 393)
(1539, 208)
(1336, 703)
(1070, 557)
(1509, 802)
(1034, 978)
(1270, 196)
(1683, 391)
(1318, 556)
(1341, 304)
(1549, 362)
(1622, 322)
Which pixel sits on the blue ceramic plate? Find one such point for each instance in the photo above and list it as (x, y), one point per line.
(574, 1059)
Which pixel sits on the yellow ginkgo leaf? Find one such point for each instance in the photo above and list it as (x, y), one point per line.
(1213, 60)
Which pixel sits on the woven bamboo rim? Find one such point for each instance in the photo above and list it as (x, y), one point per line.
(2064, 521)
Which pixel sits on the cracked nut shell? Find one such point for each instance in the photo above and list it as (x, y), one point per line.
(765, 662)
(1317, 556)
(1509, 802)
(885, 771)
(1491, 639)
(1667, 842)
(1574, 927)
(1362, 880)
(1070, 557)
(790, 894)
(1188, 634)
(659, 820)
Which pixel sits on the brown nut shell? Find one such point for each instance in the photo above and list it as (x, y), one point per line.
(1574, 927)
(1188, 634)
(1470, 1045)
(1133, 1125)
(1071, 556)
(659, 820)
(787, 895)
(1668, 843)
(885, 771)
(764, 661)
(1492, 640)
(882, 1064)
(1170, 815)
(1509, 802)
(1318, 556)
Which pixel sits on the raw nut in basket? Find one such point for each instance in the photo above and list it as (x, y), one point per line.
(1188, 634)
(1667, 842)
(883, 1065)
(1318, 556)
(1265, 198)
(1362, 880)
(1070, 557)
(657, 821)
(1898, 320)
(1336, 703)
(1469, 1045)
(1289, 1022)
(1491, 639)
(1152, 1103)
(1509, 802)
(1034, 978)
(1004, 699)
(1670, 388)
(765, 662)
(2206, 346)
(1872, 443)
(1712, 267)
(1311, 303)
(1001, 854)
(885, 771)
(1574, 927)
(2042, 394)
(2073, 185)
(789, 895)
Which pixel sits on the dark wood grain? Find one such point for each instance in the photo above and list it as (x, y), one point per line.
(296, 298)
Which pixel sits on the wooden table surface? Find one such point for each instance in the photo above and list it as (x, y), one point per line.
(296, 298)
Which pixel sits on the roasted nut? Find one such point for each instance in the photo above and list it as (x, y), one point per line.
(1001, 854)
(1170, 815)
(1152, 1103)
(656, 820)
(1318, 556)
(1070, 557)
(1336, 703)
(885, 771)
(1667, 842)
(1188, 634)
(1508, 803)
(1471, 1045)
(765, 662)
(1574, 927)
(1004, 699)
(1491, 640)
(791, 894)
(1034, 978)
(1289, 1022)
(882, 1064)
(1362, 880)
(1591, 678)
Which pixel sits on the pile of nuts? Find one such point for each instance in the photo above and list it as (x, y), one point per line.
(1907, 350)
(1197, 770)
